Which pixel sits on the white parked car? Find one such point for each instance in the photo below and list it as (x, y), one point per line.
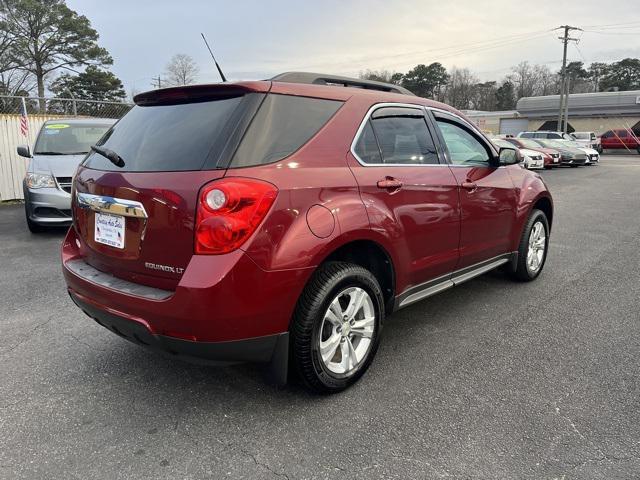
(546, 134)
(531, 159)
(587, 139)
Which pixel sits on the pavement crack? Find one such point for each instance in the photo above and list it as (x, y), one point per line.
(602, 456)
(421, 462)
(264, 465)
(28, 336)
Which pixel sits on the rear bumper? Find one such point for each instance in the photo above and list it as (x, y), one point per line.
(225, 308)
(258, 349)
(48, 206)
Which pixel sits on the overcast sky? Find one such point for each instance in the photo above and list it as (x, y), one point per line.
(257, 39)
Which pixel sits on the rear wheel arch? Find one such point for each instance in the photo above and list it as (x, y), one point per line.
(373, 257)
(546, 206)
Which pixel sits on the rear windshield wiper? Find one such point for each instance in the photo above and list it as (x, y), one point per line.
(110, 155)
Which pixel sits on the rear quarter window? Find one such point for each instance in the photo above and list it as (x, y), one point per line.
(283, 124)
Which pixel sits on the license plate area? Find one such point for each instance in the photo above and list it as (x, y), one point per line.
(109, 229)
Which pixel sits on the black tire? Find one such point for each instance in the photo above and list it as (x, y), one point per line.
(326, 284)
(522, 271)
(599, 150)
(32, 226)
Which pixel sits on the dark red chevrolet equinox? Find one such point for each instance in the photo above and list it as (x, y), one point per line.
(281, 221)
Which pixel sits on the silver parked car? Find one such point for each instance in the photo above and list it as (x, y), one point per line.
(60, 147)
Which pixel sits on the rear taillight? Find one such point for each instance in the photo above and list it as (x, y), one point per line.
(229, 211)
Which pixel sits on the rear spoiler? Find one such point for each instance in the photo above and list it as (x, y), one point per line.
(198, 93)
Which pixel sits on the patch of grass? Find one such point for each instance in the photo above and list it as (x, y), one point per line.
(11, 202)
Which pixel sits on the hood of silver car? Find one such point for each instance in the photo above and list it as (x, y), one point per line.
(57, 165)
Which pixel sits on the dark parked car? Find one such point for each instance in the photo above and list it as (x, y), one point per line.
(620, 139)
(569, 155)
(282, 221)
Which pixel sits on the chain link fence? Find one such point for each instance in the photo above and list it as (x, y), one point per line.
(39, 110)
(10, 104)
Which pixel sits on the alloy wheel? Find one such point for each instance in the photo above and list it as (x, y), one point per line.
(347, 330)
(537, 246)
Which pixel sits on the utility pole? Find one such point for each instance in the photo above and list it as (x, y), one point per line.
(564, 97)
(156, 82)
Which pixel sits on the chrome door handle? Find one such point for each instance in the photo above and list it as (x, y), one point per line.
(469, 185)
(390, 184)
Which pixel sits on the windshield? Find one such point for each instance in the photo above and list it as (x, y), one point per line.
(68, 138)
(553, 143)
(529, 143)
(503, 143)
(581, 135)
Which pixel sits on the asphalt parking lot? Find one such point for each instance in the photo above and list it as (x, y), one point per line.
(492, 379)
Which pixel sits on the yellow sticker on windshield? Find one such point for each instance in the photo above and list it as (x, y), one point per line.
(57, 126)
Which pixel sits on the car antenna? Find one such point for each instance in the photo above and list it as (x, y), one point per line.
(224, 79)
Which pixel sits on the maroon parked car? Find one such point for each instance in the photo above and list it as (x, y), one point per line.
(620, 139)
(282, 221)
(552, 158)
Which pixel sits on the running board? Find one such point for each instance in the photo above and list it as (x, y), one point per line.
(427, 289)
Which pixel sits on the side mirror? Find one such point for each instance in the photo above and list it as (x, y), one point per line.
(508, 156)
(24, 151)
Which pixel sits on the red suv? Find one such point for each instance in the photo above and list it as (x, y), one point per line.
(281, 221)
(618, 139)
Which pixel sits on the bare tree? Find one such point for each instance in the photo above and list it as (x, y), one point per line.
(461, 88)
(182, 70)
(547, 82)
(524, 78)
(16, 82)
(381, 76)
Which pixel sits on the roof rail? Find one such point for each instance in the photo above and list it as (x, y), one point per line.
(325, 79)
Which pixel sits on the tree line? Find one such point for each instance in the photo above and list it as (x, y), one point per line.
(462, 89)
(46, 47)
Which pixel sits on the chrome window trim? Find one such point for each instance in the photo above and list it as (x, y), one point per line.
(116, 206)
(424, 109)
(363, 124)
(472, 127)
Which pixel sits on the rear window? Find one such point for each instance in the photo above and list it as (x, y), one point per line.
(166, 137)
(283, 124)
(62, 138)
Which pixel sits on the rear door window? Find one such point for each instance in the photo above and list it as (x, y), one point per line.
(283, 124)
(166, 137)
(403, 136)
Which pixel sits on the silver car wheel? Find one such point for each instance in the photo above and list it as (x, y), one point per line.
(537, 246)
(346, 331)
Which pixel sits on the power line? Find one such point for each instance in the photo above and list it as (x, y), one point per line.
(612, 24)
(446, 52)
